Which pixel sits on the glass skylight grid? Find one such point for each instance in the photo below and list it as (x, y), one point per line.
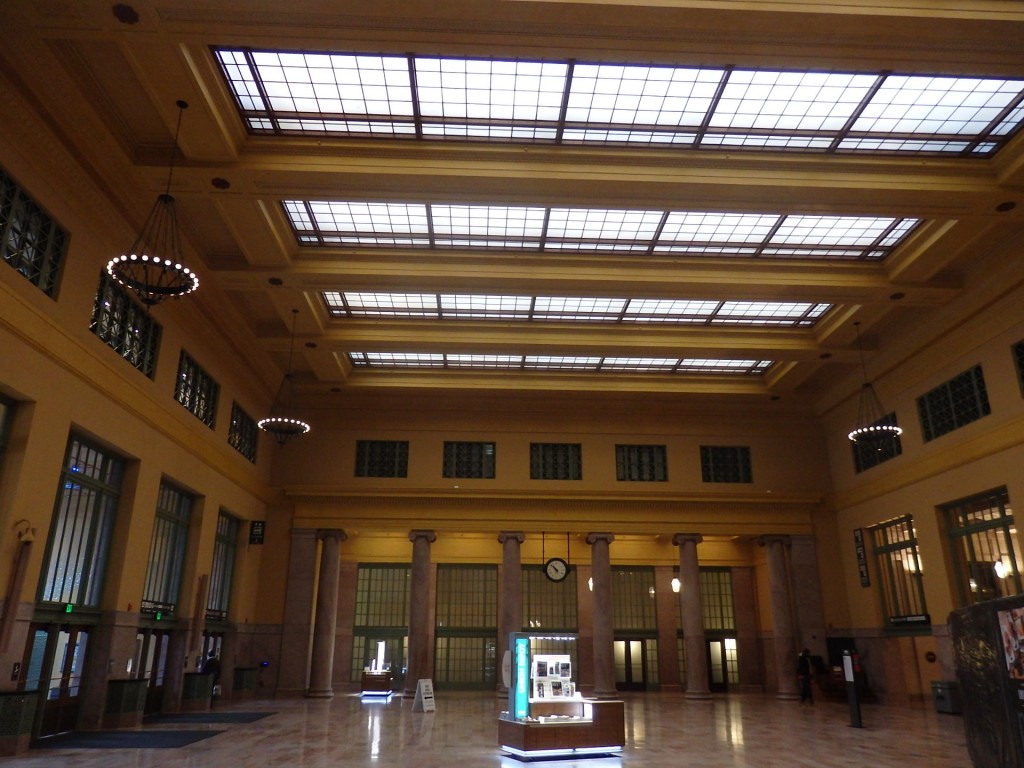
(594, 230)
(561, 363)
(572, 309)
(522, 100)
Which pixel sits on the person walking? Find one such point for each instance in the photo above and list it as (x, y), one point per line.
(803, 673)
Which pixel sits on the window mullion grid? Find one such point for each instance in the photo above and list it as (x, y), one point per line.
(705, 123)
(657, 233)
(414, 95)
(843, 133)
(564, 107)
(984, 134)
(767, 239)
(269, 111)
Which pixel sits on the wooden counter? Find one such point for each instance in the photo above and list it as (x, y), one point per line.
(597, 728)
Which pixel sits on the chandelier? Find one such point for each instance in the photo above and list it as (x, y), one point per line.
(152, 267)
(870, 428)
(280, 423)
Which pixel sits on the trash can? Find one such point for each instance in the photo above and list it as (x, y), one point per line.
(947, 696)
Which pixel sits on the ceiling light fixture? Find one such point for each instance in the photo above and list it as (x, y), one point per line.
(152, 267)
(280, 423)
(870, 428)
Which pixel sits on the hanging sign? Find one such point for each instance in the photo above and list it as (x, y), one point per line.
(256, 529)
(862, 557)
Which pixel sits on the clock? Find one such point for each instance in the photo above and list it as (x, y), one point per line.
(556, 569)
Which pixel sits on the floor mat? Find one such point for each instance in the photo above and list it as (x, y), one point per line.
(207, 717)
(124, 739)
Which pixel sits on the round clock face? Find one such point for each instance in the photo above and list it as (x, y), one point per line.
(556, 569)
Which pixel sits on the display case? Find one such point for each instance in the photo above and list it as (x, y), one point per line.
(376, 682)
(547, 717)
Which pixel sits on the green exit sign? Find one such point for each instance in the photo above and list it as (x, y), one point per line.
(69, 608)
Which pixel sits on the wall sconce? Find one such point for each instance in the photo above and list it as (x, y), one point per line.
(26, 533)
(676, 585)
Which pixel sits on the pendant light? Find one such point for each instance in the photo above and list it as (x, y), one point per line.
(281, 423)
(152, 267)
(869, 428)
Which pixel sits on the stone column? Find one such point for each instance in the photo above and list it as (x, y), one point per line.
(604, 637)
(695, 648)
(782, 616)
(419, 610)
(293, 675)
(325, 623)
(510, 616)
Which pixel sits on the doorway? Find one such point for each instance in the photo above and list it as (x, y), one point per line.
(54, 660)
(633, 664)
(151, 663)
(723, 664)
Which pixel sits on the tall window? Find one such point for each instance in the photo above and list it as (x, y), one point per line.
(549, 605)
(124, 326)
(633, 604)
(958, 402)
(6, 412)
(243, 434)
(725, 464)
(899, 570)
(1018, 359)
(167, 551)
(381, 615)
(382, 458)
(871, 453)
(644, 463)
(222, 573)
(716, 596)
(196, 390)
(981, 538)
(83, 521)
(719, 626)
(31, 242)
(556, 461)
(469, 460)
(467, 626)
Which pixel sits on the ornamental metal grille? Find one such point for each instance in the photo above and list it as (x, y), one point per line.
(549, 605)
(899, 570)
(644, 463)
(83, 523)
(633, 604)
(1018, 358)
(222, 571)
(981, 532)
(31, 242)
(167, 550)
(949, 406)
(556, 461)
(725, 464)
(874, 452)
(469, 460)
(243, 434)
(382, 458)
(124, 326)
(196, 390)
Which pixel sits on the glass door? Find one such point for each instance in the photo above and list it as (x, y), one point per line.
(55, 658)
(150, 663)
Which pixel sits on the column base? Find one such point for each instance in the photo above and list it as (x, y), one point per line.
(319, 694)
(697, 695)
(787, 696)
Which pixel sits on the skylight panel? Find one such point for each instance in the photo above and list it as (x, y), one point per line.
(485, 306)
(597, 224)
(490, 89)
(669, 310)
(564, 363)
(638, 95)
(698, 233)
(937, 105)
(640, 364)
(561, 363)
(790, 101)
(577, 308)
(522, 100)
(484, 361)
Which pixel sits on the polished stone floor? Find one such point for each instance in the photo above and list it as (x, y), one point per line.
(662, 730)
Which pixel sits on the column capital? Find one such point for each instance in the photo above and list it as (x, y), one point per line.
(511, 536)
(593, 538)
(430, 536)
(331, 533)
(685, 538)
(773, 538)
